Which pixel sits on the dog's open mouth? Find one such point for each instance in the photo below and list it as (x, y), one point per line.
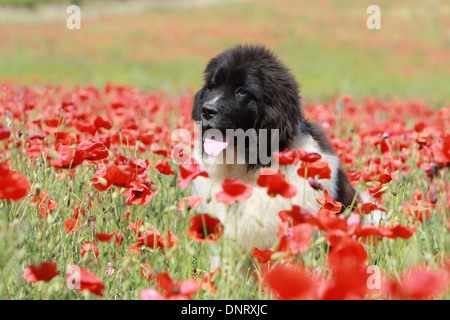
(214, 144)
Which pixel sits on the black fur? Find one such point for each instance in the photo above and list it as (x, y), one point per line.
(271, 101)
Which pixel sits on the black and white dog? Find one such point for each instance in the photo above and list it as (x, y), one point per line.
(247, 87)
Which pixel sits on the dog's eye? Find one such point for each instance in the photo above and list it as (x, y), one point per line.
(241, 92)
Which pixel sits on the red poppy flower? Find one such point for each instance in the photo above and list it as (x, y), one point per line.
(234, 190)
(295, 215)
(93, 150)
(119, 175)
(441, 149)
(386, 177)
(82, 279)
(308, 156)
(419, 283)
(139, 166)
(5, 132)
(139, 194)
(171, 239)
(189, 172)
(421, 213)
(135, 249)
(14, 185)
(171, 290)
(126, 216)
(66, 138)
(316, 170)
(76, 212)
(422, 138)
(190, 203)
(262, 256)
(101, 184)
(276, 184)
(146, 138)
(44, 271)
(286, 157)
(369, 231)
(72, 225)
(112, 174)
(289, 282)
(126, 137)
(152, 294)
(347, 253)
(294, 240)
(69, 157)
(86, 127)
(347, 259)
(347, 284)
(102, 122)
(152, 239)
(375, 190)
(105, 237)
(208, 281)
(119, 239)
(46, 204)
(4, 167)
(158, 150)
(205, 228)
(353, 175)
(135, 227)
(91, 248)
(174, 289)
(402, 231)
(385, 146)
(399, 231)
(327, 220)
(164, 167)
(368, 207)
(419, 126)
(328, 202)
(53, 123)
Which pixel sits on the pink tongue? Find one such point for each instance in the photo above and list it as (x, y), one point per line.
(213, 147)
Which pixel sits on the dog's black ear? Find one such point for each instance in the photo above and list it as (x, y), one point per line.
(282, 110)
(197, 106)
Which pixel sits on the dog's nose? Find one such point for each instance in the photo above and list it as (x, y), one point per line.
(208, 112)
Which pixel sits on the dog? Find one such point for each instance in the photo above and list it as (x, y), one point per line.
(247, 87)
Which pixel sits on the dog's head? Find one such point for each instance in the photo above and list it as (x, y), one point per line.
(247, 87)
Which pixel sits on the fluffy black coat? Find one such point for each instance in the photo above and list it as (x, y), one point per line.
(248, 87)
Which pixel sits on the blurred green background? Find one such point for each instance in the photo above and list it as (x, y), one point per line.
(164, 45)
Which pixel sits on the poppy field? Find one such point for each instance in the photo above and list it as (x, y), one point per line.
(93, 205)
(96, 204)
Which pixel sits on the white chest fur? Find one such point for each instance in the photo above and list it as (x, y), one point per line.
(255, 221)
